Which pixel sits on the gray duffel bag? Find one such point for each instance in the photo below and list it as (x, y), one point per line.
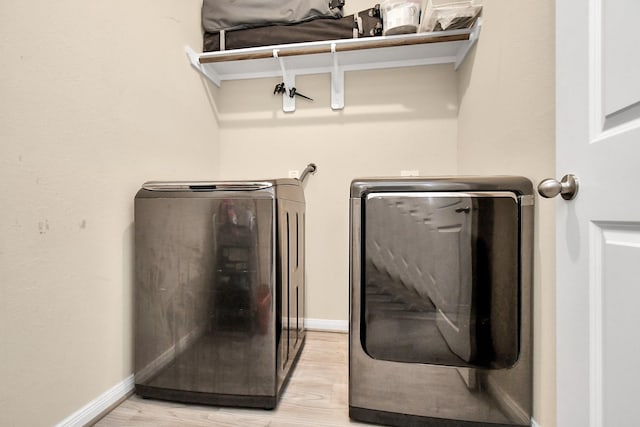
(225, 15)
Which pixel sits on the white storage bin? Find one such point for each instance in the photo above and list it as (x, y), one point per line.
(439, 15)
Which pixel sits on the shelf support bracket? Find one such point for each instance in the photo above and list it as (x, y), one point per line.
(289, 80)
(337, 81)
(473, 38)
(194, 59)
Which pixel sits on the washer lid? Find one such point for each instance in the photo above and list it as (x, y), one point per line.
(206, 185)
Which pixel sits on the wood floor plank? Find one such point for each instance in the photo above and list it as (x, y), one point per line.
(317, 395)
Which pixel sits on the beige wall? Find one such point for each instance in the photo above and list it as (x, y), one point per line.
(507, 126)
(95, 98)
(98, 97)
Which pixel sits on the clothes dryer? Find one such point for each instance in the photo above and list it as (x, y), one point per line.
(441, 301)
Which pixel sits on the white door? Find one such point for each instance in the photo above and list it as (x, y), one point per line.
(598, 233)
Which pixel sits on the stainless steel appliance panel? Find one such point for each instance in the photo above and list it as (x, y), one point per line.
(291, 277)
(440, 319)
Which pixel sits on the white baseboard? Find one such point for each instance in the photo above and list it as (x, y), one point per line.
(534, 423)
(326, 325)
(94, 409)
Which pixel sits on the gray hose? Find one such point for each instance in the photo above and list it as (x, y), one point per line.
(310, 169)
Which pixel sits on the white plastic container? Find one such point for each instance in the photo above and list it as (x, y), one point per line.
(400, 16)
(439, 15)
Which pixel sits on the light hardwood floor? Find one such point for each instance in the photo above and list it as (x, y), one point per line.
(317, 395)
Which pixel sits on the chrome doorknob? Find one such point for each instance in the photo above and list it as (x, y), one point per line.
(567, 188)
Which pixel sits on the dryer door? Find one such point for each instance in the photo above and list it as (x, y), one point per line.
(441, 277)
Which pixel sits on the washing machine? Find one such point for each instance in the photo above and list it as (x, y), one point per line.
(440, 329)
(219, 290)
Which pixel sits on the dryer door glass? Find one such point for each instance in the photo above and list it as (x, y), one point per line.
(441, 278)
